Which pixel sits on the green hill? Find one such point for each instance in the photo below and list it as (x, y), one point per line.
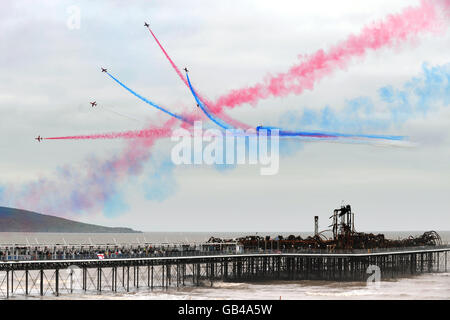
(16, 220)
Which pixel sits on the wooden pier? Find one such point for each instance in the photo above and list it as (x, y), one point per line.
(38, 278)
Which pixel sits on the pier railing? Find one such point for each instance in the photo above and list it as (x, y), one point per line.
(102, 254)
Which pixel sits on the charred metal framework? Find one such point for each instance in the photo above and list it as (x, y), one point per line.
(58, 277)
(343, 222)
(344, 237)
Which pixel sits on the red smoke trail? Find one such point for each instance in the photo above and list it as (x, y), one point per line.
(174, 66)
(146, 133)
(394, 29)
(87, 187)
(223, 116)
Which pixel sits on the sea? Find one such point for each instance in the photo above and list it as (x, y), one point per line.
(425, 286)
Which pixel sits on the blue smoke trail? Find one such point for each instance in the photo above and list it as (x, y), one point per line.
(418, 96)
(160, 183)
(202, 106)
(115, 205)
(148, 101)
(327, 135)
(336, 135)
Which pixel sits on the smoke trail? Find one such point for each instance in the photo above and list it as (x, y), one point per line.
(200, 104)
(286, 133)
(419, 96)
(146, 133)
(93, 184)
(326, 135)
(393, 30)
(161, 183)
(174, 66)
(86, 187)
(149, 102)
(205, 101)
(282, 132)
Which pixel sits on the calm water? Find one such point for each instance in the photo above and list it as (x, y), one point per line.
(426, 286)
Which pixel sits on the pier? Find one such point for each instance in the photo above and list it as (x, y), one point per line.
(346, 255)
(20, 278)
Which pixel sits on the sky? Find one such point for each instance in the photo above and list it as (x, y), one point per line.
(50, 72)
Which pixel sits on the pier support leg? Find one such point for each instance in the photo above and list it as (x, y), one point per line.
(7, 284)
(225, 270)
(148, 276)
(162, 277)
(57, 282)
(112, 279)
(152, 278)
(178, 275)
(134, 276)
(430, 262)
(421, 262)
(279, 262)
(71, 280)
(100, 279)
(115, 279)
(42, 283)
(169, 275)
(26, 282)
(198, 274)
(128, 278)
(411, 263)
(84, 279)
(438, 255)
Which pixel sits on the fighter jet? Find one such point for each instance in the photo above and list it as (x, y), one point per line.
(39, 138)
(104, 70)
(93, 104)
(146, 24)
(186, 69)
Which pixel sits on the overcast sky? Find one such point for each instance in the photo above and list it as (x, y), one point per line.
(50, 72)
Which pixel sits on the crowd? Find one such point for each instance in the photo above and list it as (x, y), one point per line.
(103, 252)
